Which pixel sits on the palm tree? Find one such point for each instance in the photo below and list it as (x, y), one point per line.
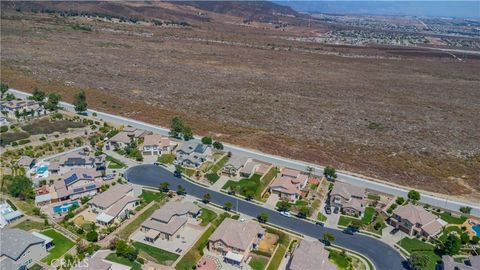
(180, 190)
(228, 206)
(262, 218)
(328, 237)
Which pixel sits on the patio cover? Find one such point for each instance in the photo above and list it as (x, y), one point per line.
(104, 218)
(232, 256)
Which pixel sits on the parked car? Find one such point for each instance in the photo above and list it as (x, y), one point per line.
(394, 231)
(177, 174)
(156, 163)
(107, 147)
(328, 210)
(349, 230)
(325, 242)
(335, 210)
(286, 214)
(321, 224)
(109, 177)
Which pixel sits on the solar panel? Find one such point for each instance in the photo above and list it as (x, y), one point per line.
(89, 187)
(86, 176)
(76, 190)
(69, 180)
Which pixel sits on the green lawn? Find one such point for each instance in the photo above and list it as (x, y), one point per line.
(161, 256)
(130, 228)
(114, 163)
(345, 221)
(149, 196)
(61, 245)
(212, 177)
(368, 215)
(321, 217)
(258, 263)
(373, 197)
(35, 267)
(371, 227)
(121, 260)
(451, 219)
(166, 158)
(252, 184)
(415, 245)
(28, 225)
(219, 165)
(339, 259)
(188, 171)
(277, 258)
(301, 203)
(207, 216)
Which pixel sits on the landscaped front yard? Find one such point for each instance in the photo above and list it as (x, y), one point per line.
(159, 255)
(446, 216)
(415, 245)
(149, 196)
(252, 185)
(61, 245)
(258, 263)
(114, 163)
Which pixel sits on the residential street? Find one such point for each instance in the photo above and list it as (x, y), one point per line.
(436, 201)
(381, 254)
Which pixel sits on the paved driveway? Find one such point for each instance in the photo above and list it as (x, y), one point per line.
(381, 254)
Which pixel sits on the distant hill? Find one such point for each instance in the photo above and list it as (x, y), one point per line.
(457, 9)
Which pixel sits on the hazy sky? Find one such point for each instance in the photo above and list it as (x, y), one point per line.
(453, 8)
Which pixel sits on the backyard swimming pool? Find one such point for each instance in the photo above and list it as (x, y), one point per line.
(42, 169)
(64, 207)
(476, 229)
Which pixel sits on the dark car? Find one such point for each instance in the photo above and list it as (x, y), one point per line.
(394, 231)
(335, 210)
(321, 224)
(325, 242)
(349, 230)
(177, 174)
(328, 210)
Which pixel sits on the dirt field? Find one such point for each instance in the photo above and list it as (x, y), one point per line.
(410, 119)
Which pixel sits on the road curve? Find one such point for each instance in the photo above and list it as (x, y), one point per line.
(382, 255)
(390, 188)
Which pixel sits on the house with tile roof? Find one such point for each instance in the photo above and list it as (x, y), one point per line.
(470, 263)
(81, 159)
(193, 154)
(77, 183)
(289, 184)
(155, 144)
(415, 220)
(22, 251)
(124, 137)
(310, 255)
(234, 164)
(115, 204)
(166, 223)
(234, 240)
(348, 197)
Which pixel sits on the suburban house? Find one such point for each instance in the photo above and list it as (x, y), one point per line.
(288, 184)
(82, 159)
(470, 263)
(234, 240)
(166, 222)
(155, 144)
(26, 162)
(310, 255)
(115, 204)
(234, 164)
(21, 106)
(415, 220)
(124, 137)
(22, 251)
(192, 154)
(77, 183)
(7, 214)
(95, 262)
(349, 198)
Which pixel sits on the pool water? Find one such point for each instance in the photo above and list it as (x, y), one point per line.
(476, 229)
(64, 207)
(42, 169)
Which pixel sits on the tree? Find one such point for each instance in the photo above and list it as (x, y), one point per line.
(400, 200)
(181, 190)
(92, 236)
(207, 140)
(164, 186)
(178, 168)
(228, 206)
(283, 206)
(206, 198)
(414, 195)
(464, 238)
(330, 173)
(80, 102)
(52, 102)
(176, 127)
(3, 89)
(304, 212)
(218, 145)
(187, 134)
(465, 209)
(249, 194)
(328, 237)
(452, 245)
(38, 95)
(419, 260)
(21, 187)
(262, 217)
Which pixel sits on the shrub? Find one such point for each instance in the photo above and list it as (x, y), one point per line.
(42, 138)
(3, 129)
(92, 236)
(400, 200)
(24, 141)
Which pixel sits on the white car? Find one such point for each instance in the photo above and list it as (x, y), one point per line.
(286, 214)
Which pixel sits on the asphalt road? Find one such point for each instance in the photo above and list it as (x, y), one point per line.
(382, 255)
(433, 200)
